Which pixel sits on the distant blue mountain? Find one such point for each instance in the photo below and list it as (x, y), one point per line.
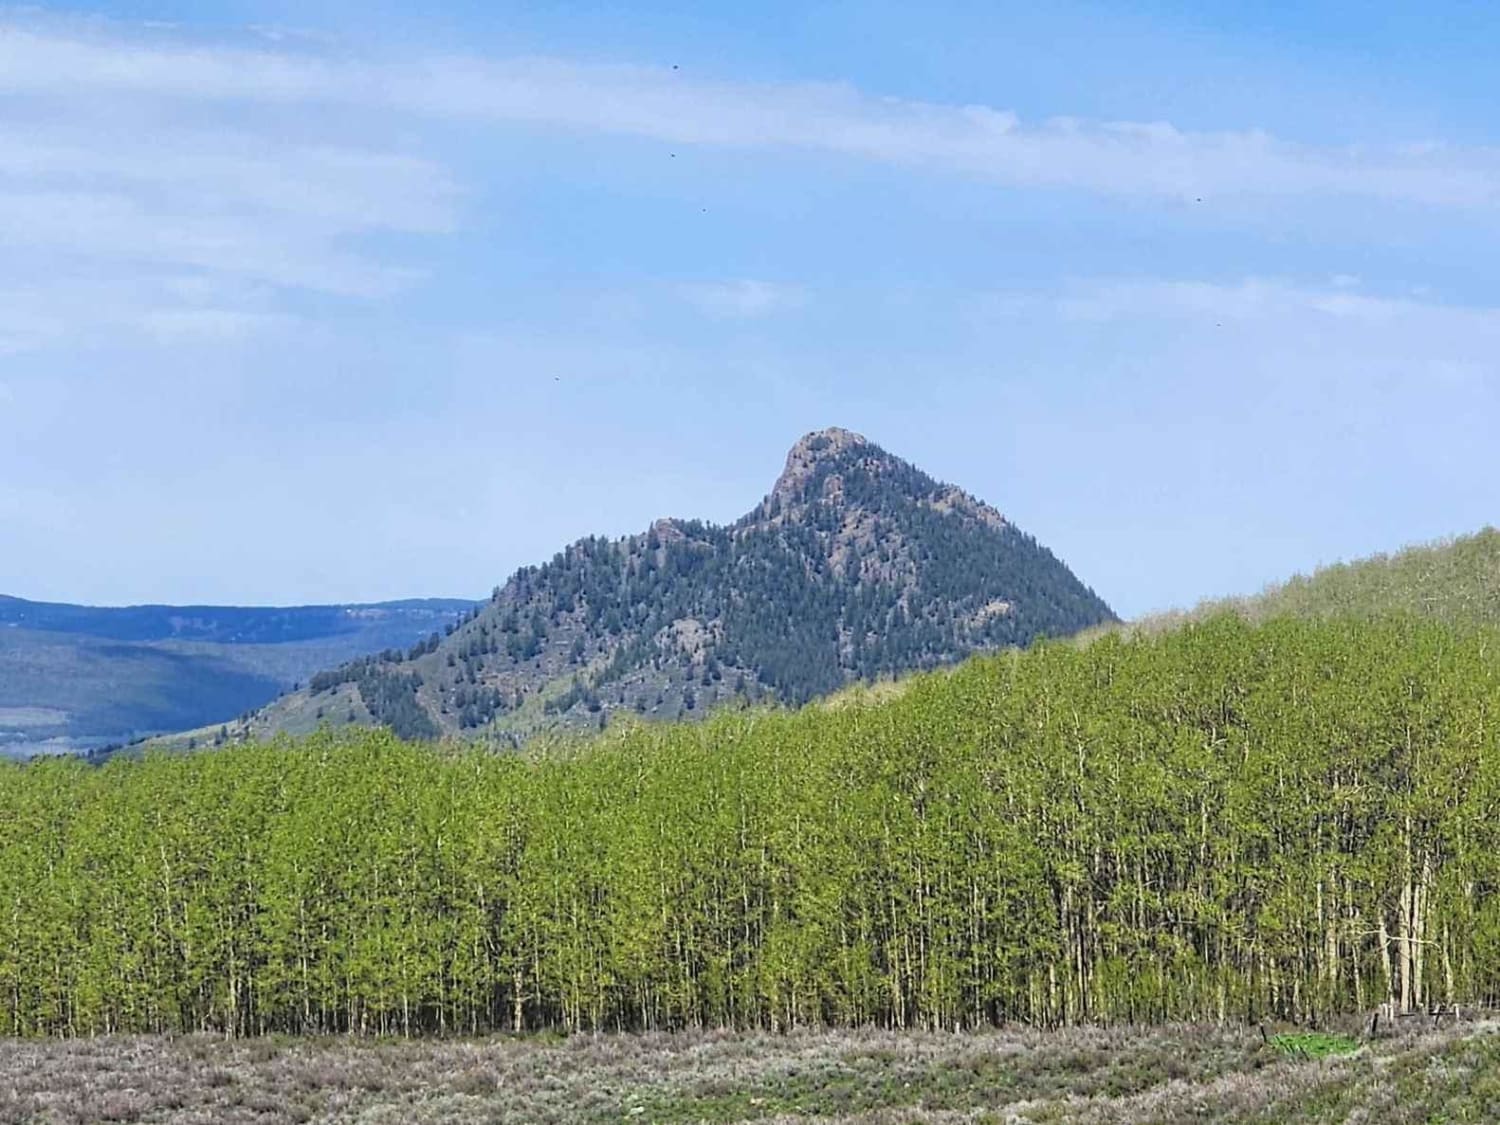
(234, 625)
(75, 677)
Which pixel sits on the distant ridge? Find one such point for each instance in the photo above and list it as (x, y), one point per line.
(218, 623)
(855, 566)
(76, 677)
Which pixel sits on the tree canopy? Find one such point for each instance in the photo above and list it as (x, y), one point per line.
(1229, 821)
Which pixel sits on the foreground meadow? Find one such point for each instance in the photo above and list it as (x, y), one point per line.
(1177, 1073)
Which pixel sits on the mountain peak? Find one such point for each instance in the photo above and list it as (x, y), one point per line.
(858, 565)
(832, 439)
(823, 463)
(811, 453)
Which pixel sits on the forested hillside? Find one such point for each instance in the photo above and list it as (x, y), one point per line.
(1456, 580)
(1224, 821)
(856, 566)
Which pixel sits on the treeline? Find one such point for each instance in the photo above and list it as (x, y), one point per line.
(1224, 822)
(1451, 580)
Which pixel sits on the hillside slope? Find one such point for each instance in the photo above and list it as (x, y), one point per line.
(74, 677)
(855, 566)
(1455, 581)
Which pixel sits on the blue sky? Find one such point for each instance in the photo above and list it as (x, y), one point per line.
(346, 301)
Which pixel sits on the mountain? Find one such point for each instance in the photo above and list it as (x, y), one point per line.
(1455, 581)
(76, 677)
(235, 625)
(856, 566)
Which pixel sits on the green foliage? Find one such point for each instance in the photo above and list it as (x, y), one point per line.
(391, 699)
(1314, 1044)
(389, 695)
(1455, 581)
(1285, 821)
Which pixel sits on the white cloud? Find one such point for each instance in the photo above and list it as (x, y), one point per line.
(170, 326)
(160, 308)
(1143, 159)
(104, 226)
(134, 161)
(744, 299)
(138, 209)
(348, 189)
(1359, 354)
(1259, 301)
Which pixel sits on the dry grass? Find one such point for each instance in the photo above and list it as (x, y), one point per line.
(1167, 1075)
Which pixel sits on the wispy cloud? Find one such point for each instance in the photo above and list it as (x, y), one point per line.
(118, 306)
(1338, 306)
(139, 210)
(743, 299)
(132, 159)
(1140, 159)
(1358, 354)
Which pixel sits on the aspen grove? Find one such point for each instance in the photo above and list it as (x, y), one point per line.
(1227, 821)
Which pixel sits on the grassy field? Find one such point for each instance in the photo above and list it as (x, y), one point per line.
(1170, 1074)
